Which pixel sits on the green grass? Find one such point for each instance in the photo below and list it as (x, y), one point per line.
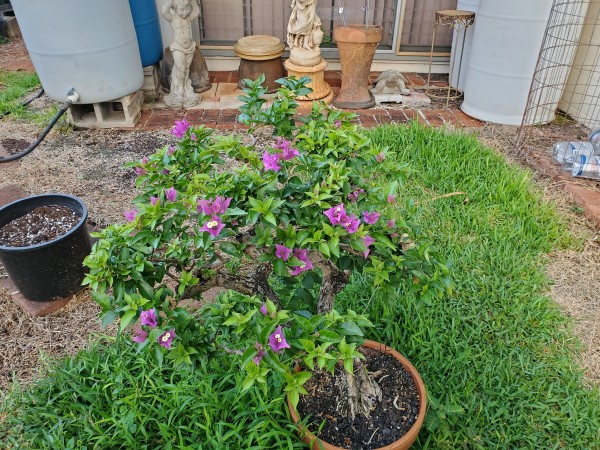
(111, 398)
(497, 356)
(18, 87)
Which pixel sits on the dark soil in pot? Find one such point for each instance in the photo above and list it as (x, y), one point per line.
(43, 224)
(391, 419)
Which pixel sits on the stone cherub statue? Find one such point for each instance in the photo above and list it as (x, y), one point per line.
(180, 14)
(304, 33)
(390, 82)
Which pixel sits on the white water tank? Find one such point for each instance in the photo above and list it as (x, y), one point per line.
(457, 46)
(90, 46)
(506, 43)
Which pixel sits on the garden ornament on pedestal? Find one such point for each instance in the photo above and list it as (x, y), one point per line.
(304, 36)
(282, 223)
(180, 13)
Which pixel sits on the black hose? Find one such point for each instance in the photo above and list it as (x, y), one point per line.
(66, 105)
(36, 96)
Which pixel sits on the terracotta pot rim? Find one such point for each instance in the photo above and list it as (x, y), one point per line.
(358, 34)
(405, 441)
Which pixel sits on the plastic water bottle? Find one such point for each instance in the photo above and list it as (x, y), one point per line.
(595, 141)
(567, 152)
(586, 166)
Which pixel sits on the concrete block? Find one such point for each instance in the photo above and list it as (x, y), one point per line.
(151, 86)
(123, 112)
(12, 27)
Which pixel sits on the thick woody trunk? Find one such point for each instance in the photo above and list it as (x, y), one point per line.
(362, 391)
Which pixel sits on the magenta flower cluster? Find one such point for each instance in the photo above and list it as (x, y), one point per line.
(286, 152)
(283, 252)
(180, 128)
(337, 216)
(276, 341)
(149, 319)
(214, 208)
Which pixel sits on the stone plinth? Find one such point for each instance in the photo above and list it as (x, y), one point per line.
(151, 86)
(321, 89)
(413, 100)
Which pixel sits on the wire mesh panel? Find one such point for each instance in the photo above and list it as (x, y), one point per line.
(567, 77)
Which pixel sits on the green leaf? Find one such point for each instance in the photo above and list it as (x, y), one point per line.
(247, 384)
(294, 397)
(329, 336)
(305, 324)
(230, 249)
(351, 329)
(324, 248)
(127, 318)
(269, 217)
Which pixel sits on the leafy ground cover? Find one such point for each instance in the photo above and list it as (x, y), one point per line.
(496, 356)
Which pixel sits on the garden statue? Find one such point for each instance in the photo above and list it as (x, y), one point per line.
(304, 33)
(304, 37)
(181, 13)
(391, 82)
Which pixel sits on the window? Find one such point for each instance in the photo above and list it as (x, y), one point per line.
(223, 22)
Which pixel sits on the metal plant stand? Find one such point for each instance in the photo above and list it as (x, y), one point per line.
(459, 21)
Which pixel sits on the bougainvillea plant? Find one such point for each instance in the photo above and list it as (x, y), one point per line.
(281, 223)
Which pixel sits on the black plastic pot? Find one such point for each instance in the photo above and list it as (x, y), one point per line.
(52, 269)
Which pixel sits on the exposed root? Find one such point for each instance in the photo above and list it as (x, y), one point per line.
(361, 392)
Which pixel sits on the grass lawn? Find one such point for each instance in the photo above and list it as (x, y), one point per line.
(497, 356)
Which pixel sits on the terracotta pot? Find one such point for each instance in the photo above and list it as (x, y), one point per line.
(356, 45)
(401, 444)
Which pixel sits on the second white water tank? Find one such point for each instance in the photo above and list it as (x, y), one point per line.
(460, 52)
(506, 43)
(87, 45)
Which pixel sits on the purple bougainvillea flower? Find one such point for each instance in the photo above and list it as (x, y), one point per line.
(368, 240)
(307, 264)
(180, 127)
(371, 217)
(271, 162)
(166, 171)
(154, 201)
(171, 194)
(391, 198)
(139, 335)
(380, 157)
(193, 136)
(149, 318)
(353, 197)
(140, 171)
(145, 160)
(213, 226)
(166, 339)
(171, 150)
(217, 206)
(350, 223)
(130, 215)
(277, 340)
(337, 123)
(335, 214)
(264, 310)
(287, 151)
(282, 252)
(259, 356)
(391, 223)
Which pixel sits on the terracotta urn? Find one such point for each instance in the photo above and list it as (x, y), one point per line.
(405, 441)
(356, 45)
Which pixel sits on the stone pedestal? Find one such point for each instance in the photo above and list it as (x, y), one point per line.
(321, 89)
(260, 54)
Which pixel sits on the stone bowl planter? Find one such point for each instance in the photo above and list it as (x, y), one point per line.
(52, 269)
